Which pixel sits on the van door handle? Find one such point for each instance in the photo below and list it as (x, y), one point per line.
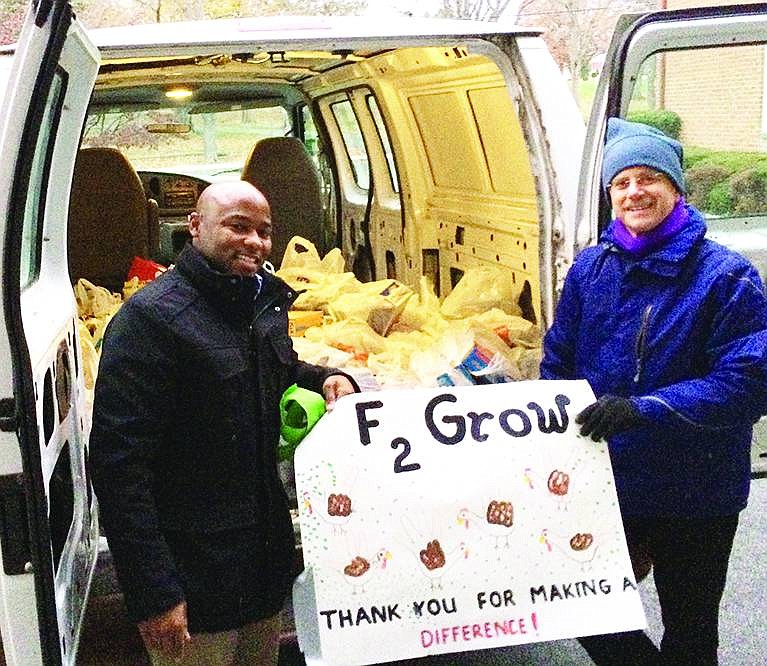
(8, 420)
(14, 528)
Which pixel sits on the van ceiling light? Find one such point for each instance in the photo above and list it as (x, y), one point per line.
(178, 93)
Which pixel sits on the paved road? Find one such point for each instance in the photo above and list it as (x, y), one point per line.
(108, 640)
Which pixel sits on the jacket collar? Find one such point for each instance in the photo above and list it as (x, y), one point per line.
(213, 283)
(668, 258)
(235, 294)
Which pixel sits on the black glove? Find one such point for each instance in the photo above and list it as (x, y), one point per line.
(607, 416)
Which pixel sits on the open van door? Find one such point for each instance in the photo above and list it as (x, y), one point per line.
(699, 74)
(48, 521)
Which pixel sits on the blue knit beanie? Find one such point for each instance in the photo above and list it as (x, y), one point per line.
(635, 144)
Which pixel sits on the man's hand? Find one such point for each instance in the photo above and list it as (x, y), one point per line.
(608, 416)
(334, 387)
(167, 633)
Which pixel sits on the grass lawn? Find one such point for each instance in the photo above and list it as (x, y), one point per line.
(585, 95)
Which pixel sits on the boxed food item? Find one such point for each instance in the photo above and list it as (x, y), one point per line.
(300, 320)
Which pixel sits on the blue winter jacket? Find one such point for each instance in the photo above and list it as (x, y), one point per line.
(683, 331)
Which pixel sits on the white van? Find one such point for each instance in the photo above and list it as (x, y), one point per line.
(419, 148)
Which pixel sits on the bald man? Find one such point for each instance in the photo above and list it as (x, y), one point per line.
(184, 439)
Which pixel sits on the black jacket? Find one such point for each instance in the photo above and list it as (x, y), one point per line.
(184, 439)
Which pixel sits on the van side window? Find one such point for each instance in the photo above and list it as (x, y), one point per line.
(712, 100)
(34, 207)
(353, 142)
(310, 135)
(319, 154)
(383, 134)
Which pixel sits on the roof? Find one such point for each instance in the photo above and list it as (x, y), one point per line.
(299, 32)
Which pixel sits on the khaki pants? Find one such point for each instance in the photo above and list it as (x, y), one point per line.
(256, 644)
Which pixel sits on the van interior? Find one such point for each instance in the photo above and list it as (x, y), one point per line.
(401, 186)
(411, 162)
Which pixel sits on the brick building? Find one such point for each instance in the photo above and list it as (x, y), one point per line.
(719, 93)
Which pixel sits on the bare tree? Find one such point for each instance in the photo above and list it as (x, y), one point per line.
(481, 10)
(98, 13)
(218, 8)
(325, 7)
(153, 6)
(577, 30)
(194, 10)
(12, 14)
(107, 12)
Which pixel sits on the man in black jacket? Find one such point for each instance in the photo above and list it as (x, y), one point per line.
(184, 439)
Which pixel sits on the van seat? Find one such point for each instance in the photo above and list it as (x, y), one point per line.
(110, 218)
(283, 170)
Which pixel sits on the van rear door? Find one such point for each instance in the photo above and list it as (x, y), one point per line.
(48, 522)
(701, 75)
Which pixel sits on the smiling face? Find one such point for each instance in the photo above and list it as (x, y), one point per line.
(232, 227)
(642, 198)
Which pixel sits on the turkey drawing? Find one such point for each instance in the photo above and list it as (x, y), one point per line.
(361, 570)
(497, 522)
(580, 547)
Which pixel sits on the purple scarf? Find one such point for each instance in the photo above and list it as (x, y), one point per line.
(643, 244)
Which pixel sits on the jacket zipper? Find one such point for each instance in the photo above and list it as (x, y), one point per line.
(274, 298)
(262, 309)
(642, 342)
(272, 301)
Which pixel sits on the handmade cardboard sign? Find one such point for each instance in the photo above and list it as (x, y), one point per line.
(453, 519)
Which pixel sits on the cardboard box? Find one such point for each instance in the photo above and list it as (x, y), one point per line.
(300, 320)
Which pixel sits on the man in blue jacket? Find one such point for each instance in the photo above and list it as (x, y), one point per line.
(670, 330)
(184, 441)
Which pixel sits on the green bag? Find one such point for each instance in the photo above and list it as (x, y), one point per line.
(300, 409)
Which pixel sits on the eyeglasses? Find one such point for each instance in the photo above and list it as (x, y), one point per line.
(643, 180)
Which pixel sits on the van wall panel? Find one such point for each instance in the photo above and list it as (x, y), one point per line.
(502, 141)
(449, 140)
(494, 233)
